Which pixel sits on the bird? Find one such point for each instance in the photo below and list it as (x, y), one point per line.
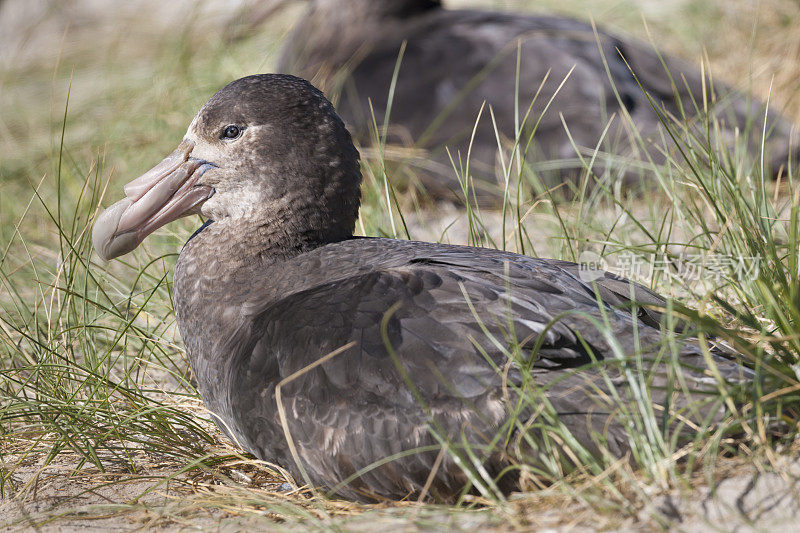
(455, 66)
(362, 364)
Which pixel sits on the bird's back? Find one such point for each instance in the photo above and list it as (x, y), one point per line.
(432, 343)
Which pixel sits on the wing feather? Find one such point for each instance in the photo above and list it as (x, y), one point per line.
(432, 327)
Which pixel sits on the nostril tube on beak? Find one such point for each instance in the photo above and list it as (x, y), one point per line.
(162, 188)
(144, 183)
(165, 193)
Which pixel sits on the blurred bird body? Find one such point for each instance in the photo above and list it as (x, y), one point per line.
(579, 83)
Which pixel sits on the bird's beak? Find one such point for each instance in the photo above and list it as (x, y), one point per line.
(166, 192)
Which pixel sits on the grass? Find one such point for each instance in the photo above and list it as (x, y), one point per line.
(94, 386)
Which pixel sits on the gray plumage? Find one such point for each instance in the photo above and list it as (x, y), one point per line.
(356, 410)
(277, 281)
(457, 59)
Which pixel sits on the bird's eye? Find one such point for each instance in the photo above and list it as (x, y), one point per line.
(231, 131)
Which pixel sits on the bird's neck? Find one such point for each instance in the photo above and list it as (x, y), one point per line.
(371, 9)
(327, 38)
(231, 248)
(218, 271)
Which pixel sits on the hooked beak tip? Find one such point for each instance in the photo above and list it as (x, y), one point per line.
(165, 193)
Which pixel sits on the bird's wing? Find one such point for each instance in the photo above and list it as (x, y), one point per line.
(430, 354)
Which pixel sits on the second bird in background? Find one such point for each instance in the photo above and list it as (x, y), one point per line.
(578, 78)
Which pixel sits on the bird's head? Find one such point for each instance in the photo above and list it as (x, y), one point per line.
(265, 149)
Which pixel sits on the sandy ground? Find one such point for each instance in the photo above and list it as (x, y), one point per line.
(57, 499)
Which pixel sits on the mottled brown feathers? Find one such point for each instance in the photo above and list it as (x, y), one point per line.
(439, 340)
